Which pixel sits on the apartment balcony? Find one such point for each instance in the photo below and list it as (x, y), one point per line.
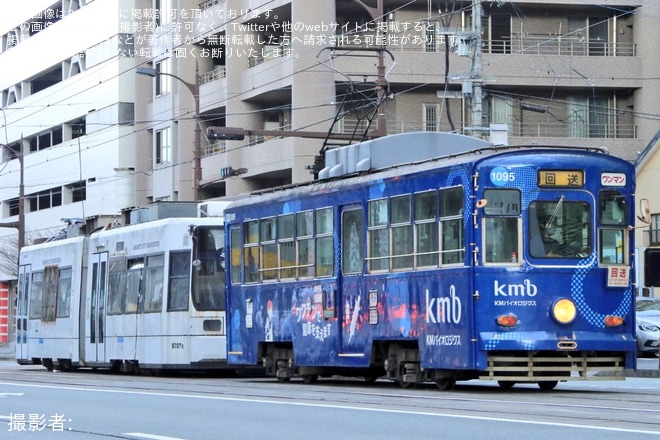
(549, 62)
(213, 89)
(218, 73)
(220, 147)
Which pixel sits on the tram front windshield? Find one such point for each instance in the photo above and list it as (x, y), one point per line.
(208, 279)
(559, 229)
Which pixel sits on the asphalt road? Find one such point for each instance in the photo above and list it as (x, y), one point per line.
(100, 405)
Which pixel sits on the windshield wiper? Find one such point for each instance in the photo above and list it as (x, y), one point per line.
(555, 211)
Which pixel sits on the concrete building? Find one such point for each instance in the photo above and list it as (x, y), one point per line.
(98, 138)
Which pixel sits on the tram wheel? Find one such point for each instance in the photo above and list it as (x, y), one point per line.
(445, 384)
(310, 378)
(506, 384)
(405, 385)
(283, 379)
(547, 385)
(370, 379)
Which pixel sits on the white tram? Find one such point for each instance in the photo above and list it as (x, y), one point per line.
(148, 296)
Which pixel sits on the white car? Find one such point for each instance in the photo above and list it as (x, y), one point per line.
(647, 326)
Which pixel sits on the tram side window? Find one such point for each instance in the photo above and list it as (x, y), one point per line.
(179, 281)
(287, 246)
(352, 256)
(378, 234)
(268, 233)
(451, 221)
(305, 239)
(153, 281)
(612, 212)
(401, 233)
(117, 286)
(134, 286)
(235, 245)
(35, 295)
(251, 251)
(324, 242)
(426, 229)
(49, 293)
(501, 225)
(64, 293)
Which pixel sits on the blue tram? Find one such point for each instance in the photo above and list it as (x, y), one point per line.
(511, 264)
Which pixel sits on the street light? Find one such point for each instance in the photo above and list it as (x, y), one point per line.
(197, 152)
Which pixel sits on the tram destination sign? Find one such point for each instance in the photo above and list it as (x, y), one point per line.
(561, 178)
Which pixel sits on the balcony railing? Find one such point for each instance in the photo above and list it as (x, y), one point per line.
(210, 3)
(526, 44)
(532, 130)
(520, 44)
(269, 53)
(215, 148)
(592, 131)
(215, 74)
(221, 146)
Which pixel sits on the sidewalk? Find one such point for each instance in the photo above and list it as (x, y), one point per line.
(646, 367)
(7, 352)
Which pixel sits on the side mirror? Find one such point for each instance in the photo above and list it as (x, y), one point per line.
(644, 211)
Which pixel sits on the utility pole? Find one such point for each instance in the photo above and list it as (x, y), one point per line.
(20, 224)
(377, 15)
(476, 74)
(21, 198)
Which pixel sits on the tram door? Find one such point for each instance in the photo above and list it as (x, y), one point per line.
(351, 266)
(95, 320)
(22, 311)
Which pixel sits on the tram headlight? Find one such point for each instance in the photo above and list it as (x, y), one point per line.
(564, 311)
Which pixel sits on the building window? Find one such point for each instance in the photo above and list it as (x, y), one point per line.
(430, 39)
(502, 112)
(78, 191)
(45, 199)
(588, 117)
(162, 12)
(78, 127)
(431, 117)
(46, 139)
(654, 230)
(13, 206)
(163, 81)
(163, 146)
